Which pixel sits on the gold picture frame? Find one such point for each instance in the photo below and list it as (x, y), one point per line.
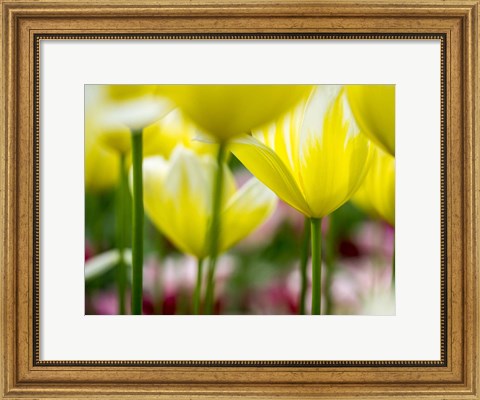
(26, 23)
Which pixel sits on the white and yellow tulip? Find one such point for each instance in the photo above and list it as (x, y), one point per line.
(178, 199)
(115, 111)
(314, 158)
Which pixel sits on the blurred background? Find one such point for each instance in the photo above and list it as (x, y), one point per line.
(261, 274)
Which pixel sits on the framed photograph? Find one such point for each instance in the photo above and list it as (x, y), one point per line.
(214, 199)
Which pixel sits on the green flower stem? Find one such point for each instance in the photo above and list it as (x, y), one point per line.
(316, 227)
(121, 222)
(214, 232)
(137, 222)
(303, 264)
(330, 263)
(198, 288)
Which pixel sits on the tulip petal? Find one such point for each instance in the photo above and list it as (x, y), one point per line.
(115, 110)
(376, 195)
(251, 205)
(137, 113)
(115, 137)
(269, 169)
(163, 136)
(283, 138)
(187, 189)
(319, 105)
(97, 158)
(225, 111)
(175, 200)
(157, 205)
(374, 110)
(334, 155)
(178, 197)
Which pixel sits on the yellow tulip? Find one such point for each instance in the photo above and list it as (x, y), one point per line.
(374, 109)
(225, 111)
(178, 199)
(115, 111)
(134, 106)
(376, 195)
(101, 165)
(314, 158)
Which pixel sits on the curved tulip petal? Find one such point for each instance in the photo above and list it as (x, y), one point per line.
(283, 138)
(335, 156)
(177, 197)
(116, 137)
(173, 129)
(188, 201)
(97, 158)
(115, 110)
(316, 110)
(376, 195)
(154, 173)
(251, 205)
(170, 203)
(226, 111)
(374, 109)
(137, 113)
(314, 157)
(267, 167)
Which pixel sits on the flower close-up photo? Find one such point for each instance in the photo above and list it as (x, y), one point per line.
(239, 199)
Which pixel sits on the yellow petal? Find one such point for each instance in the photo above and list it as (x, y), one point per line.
(115, 110)
(178, 197)
(267, 166)
(170, 205)
(173, 129)
(119, 93)
(376, 195)
(101, 165)
(334, 155)
(154, 173)
(187, 191)
(246, 210)
(229, 110)
(117, 138)
(283, 137)
(135, 114)
(374, 109)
